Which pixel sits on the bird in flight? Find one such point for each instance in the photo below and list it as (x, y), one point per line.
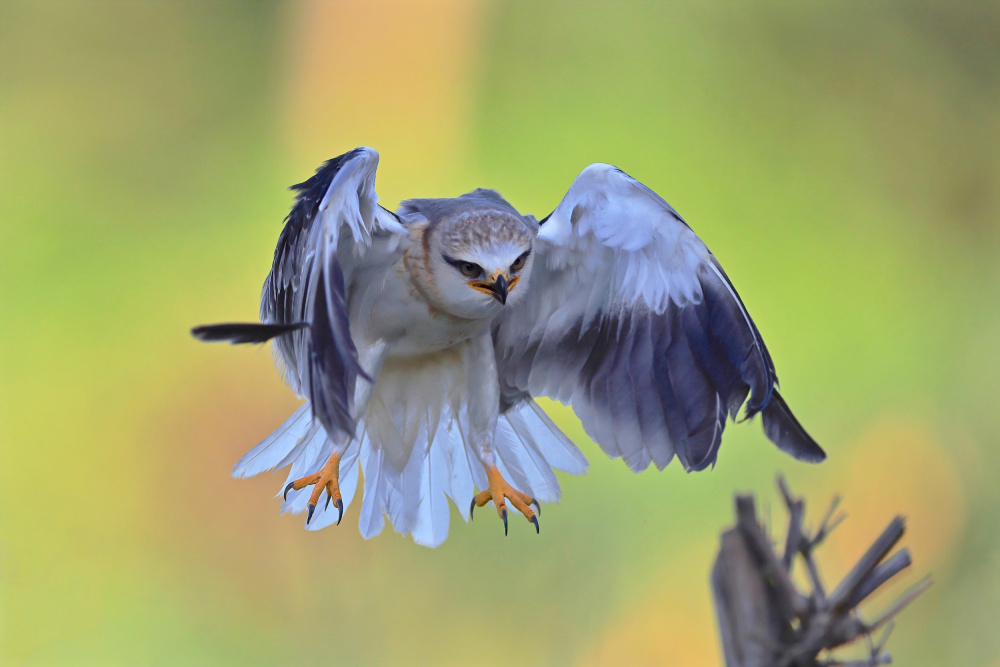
(419, 340)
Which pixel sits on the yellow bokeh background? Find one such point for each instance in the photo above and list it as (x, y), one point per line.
(842, 161)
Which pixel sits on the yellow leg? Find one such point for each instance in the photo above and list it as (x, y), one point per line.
(499, 492)
(327, 478)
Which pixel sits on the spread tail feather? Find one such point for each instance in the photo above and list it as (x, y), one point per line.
(415, 499)
(529, 447)
(276, 447)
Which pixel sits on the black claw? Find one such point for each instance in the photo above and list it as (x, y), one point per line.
(538, 508)
(503, 515)
(472, 508)
(287, 489)
(312, 508)
(340, 506)
(327, 506)
(534, 520)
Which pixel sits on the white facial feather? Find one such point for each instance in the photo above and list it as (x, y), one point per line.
(493, 242)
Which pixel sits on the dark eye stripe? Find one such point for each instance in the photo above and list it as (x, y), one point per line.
(469, 269)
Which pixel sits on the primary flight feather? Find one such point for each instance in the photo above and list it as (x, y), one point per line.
(419, 339)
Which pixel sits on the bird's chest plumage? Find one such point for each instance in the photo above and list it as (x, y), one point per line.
(404, 314)
(411, 397)
(425, 381)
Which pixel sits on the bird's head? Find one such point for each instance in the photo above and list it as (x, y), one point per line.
(480, 256)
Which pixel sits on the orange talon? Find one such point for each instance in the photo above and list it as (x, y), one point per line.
(327, 478)
(499, 492)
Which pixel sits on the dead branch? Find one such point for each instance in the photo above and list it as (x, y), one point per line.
(766, 621)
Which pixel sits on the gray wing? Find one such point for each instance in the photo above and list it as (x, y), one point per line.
(631, 320)
(335, 227)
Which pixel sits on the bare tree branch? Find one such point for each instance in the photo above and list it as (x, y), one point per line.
(764, 619)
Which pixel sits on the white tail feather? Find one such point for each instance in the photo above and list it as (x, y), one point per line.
(269, 453)
(464, 471)
(441, 465)
(531, 423)
(432, 516)
(298, 453)
(526, 470)
(371, 519)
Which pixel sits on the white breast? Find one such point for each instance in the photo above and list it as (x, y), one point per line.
(412, 393)
(397, 312)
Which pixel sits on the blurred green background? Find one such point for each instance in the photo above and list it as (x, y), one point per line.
(841, 159)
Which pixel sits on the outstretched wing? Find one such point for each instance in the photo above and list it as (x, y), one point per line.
(335, 230)
(631, 320)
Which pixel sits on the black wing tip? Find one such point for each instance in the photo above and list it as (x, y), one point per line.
(393, 214)
(785, 431)
(238, 333)
(326, 171)
(309, 194)
(708, 461)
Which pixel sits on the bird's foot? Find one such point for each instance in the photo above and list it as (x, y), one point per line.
(327, 478)
(500, 492)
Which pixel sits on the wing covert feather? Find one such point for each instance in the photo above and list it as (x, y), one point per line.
(630, 319)
(328, 235)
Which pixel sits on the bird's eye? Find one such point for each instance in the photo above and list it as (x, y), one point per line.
(469, 269)
(519, 262)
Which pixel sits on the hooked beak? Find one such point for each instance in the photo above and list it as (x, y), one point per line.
(497, 289)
